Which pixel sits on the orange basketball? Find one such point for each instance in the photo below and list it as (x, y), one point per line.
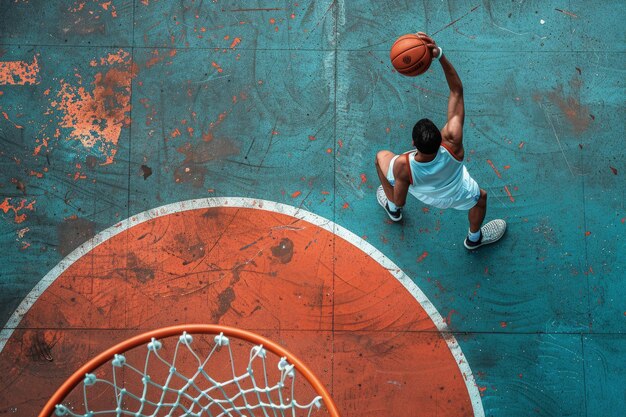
(410, 56)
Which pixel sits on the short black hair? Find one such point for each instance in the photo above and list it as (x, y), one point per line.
(426, 136)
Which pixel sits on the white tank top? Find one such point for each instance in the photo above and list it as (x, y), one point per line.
(436, 180)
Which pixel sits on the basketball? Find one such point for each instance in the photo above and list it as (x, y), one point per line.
(410, 56)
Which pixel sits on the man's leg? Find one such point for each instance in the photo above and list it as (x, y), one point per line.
(480, 234)
(383, 161)
(477, 213)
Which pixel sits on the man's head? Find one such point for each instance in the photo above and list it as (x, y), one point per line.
(426, 137)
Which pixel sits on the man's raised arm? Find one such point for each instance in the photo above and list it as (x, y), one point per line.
(452, 132)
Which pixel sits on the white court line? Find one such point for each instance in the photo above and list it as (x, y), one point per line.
(249, 203)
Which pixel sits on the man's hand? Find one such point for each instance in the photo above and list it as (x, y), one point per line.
(435, 51)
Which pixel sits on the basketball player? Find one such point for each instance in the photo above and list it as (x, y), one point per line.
(434, 173)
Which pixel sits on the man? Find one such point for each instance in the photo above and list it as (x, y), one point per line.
(435, 173)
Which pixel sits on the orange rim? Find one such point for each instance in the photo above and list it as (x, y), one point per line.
(165, 332)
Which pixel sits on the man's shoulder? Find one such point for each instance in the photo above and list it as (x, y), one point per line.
(454, 148)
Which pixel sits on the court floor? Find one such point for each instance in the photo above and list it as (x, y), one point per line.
(167, 163)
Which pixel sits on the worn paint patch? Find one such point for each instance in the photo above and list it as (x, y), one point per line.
(569, 103)
(508, 193)
(189, 248)
(235, 42)
(20, 238)
(494, 168)
(17, 208)
(73, 232)
(146, 171)
(19, 185)
(94, 9)
(6, 116)
(283, 251)
(217, 66)
(192, 169)
(423, 256)
(97, 117)
(156, 58)
(19, 72)
(108, 6)
(138, 269)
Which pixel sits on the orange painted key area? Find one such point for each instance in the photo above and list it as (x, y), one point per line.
(349, 319)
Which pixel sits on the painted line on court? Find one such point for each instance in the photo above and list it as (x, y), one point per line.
(249, 203)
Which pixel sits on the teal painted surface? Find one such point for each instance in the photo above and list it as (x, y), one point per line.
(257, 130)
(604, 368)
(540, 374)
(293, 109)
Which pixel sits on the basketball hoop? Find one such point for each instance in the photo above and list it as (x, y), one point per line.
(203, 385)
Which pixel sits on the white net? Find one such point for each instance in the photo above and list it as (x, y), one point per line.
(185, 382)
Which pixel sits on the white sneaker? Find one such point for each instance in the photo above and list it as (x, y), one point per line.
(490, 232)
(396, 216)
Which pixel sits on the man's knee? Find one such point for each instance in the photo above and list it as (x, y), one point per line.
(482, 200)
(382, 157)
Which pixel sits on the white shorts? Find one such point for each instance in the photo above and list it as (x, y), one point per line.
(466, 198)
